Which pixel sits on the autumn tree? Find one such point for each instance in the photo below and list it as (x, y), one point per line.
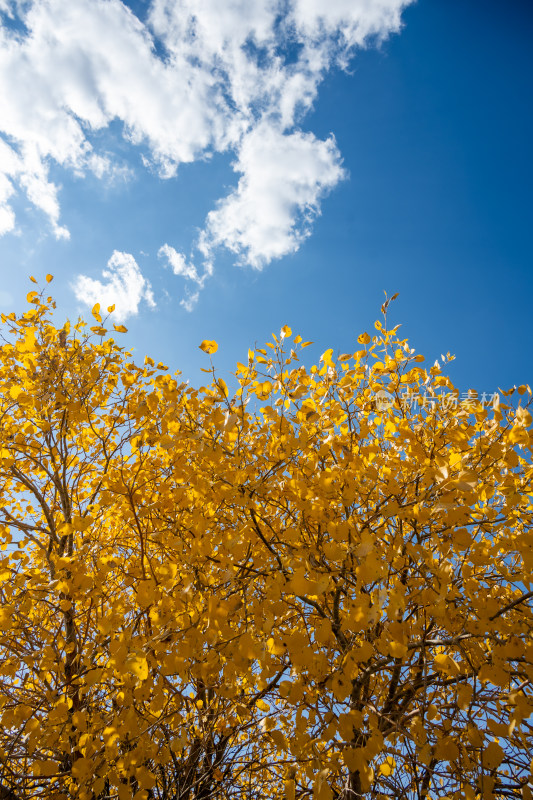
(316, 583)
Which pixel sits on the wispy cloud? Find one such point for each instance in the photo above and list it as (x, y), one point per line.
(194, 79)
(186, 269)
(124, 286)
(180, 266)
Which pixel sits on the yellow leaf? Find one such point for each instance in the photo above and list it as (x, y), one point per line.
(299, 584)
(446, 663)
(279, 739)
(32, 279)
(120, 328)
(29, 343)
(367, 544)
(464, 695)
(96, 312)
(110, 736)
(145, 778)
(447, 749)
(523, 416)
(15, 391)
(462, 538)
(326, 358)
(364, 338)
(397, 649)
(275, 648)
(363, 652)
(111, 308)
(321, 788)
(45, 768)
(49, 278)
(82, 768)
(388, 766)
(6, 454)
(209, 346)
(81, 523)
(94, 676)
(289, 790)
(222, 387)
(493, 755)
(230, 421)
(138, 665)
(146, 592)
(354, 759)
(32, 296)
(105, 624)
(285, 331)
(265, 388)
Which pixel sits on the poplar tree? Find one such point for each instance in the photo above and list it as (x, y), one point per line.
(315, 582)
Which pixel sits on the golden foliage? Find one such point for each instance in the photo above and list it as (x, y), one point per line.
(273, 588)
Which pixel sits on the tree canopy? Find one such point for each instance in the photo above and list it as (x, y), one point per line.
(315, 582)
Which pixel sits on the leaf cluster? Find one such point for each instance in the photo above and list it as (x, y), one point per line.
(287, 589)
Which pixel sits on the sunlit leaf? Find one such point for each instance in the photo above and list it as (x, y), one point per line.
(209, 346)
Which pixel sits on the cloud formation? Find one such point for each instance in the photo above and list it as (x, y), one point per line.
(269, 214)
(123, 286)
(196, 77)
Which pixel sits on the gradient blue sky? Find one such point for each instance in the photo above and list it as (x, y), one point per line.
(432, 126)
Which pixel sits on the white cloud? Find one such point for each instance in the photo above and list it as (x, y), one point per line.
(186, 269)
(284, 177)
(199, 77)
(9, 168)
(124, 286)
(7, 216)
(353, 20)
(178, 263)
(7, 219)
(81, 66)
(43, 194)
(189, 301)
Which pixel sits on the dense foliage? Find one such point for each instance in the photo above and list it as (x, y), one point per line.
(297, 588)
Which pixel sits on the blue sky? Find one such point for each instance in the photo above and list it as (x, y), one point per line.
(289, 161)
